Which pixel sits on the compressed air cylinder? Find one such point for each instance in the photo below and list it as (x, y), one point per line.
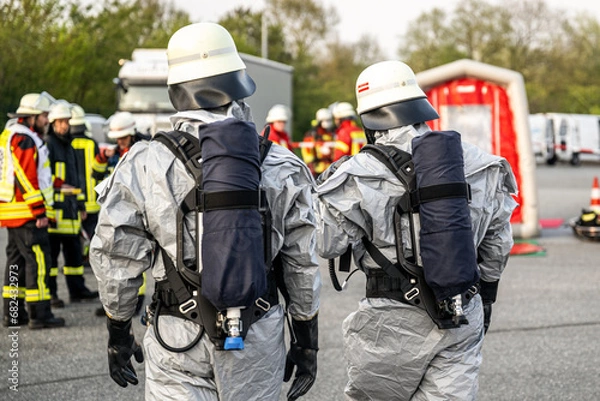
(446, 237)
(233, 265)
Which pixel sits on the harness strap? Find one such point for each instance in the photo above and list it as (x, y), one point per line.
(346, 260)
(400, 163)
(171, 305)
(441, 191)
(243, 199)
(264, 144)
(381, 285)
(397, 160)
(179, 290)
(392, 281)
(391, 269)
(186, 147)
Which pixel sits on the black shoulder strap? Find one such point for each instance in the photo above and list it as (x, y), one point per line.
(264, 146)
(398, 161)
(401, 165)
(186, 147)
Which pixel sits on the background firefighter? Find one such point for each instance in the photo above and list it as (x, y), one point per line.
(316, 147)
(68, 209)
(26, 191)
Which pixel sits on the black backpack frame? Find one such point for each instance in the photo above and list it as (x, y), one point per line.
(407, 271)
(180, 294)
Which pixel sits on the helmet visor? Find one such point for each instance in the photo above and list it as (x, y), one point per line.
(399, 114)
(211, 92)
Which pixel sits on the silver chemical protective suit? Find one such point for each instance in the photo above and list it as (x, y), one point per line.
(139, 204)
(394, 350)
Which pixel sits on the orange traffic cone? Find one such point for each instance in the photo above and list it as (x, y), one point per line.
(595, 198)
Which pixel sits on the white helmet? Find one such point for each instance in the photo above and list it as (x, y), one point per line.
(121, 125)
(278, 112)
(388, 96)
(77, 115)
(325, 118)
(59, 111)
(205, 69)
(33, 104)
(343, 110)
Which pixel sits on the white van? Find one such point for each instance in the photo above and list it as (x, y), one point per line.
(542, 138)
(576, 137)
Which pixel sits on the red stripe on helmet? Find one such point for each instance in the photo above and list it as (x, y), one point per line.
(363, 87)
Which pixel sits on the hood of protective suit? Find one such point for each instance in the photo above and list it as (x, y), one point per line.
(189, 120)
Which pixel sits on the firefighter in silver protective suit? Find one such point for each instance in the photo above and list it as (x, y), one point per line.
(137, 230)
(394, 350)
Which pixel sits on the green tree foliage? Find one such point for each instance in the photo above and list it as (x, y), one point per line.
(72, 51)
(557, 52)
(246, 28)
(24, 42)
(302, 34)
(306, 26)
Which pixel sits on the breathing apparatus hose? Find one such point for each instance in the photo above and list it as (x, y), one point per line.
(167, 346)
(333, 276)
(334, 280)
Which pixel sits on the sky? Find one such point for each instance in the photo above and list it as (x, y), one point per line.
(385, 20)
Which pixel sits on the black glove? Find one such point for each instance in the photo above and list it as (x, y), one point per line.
(488, 291)
(303, 356)
(121, 346)
(487, 317)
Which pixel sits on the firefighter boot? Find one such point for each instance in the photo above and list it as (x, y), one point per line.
(55, 301)
(78, 291)
(41, 317)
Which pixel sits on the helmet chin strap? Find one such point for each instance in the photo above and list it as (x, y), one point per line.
(370, 134)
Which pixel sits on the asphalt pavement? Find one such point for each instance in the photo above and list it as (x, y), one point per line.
(542, 344)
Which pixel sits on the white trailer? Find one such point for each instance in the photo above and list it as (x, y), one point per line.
(142, 88)
(542, 138)
(576, 137)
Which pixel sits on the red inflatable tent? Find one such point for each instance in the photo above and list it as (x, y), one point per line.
(488, 106)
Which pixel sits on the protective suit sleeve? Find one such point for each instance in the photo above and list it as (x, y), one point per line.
(331, 169)
(122, 250)
(349, 201)
(290, 188)
(497, 241)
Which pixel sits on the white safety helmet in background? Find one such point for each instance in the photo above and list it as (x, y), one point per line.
(77, 115)
(278, 112)
(33, 104)
(388, 96)
(205, 69)
(144, 126)
(343, 110)
(325, 118)
(59, 111)
(121, 125)
(88, 129)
